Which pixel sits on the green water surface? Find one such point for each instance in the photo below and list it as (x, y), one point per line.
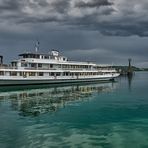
(101, 115)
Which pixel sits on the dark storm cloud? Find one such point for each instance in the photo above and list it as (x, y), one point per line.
(33, 11)
(99, 30)
(114, 18)
(93, 3)
(9, 5)
(42, 3)
(38, 19)
(61, 6)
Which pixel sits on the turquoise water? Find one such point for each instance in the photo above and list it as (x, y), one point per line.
(103, 115)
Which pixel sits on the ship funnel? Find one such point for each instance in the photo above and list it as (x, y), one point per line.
(1, 59)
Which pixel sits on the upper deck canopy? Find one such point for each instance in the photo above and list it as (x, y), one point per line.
(53, 55)
(32, 55)
(37, 55)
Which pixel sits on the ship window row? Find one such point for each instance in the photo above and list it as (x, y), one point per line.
(33, 74)
(48, 66)
(74, 74)
(61, 66)
(36, 56)
(14, 73)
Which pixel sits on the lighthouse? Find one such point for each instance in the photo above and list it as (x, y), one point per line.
(130, 70)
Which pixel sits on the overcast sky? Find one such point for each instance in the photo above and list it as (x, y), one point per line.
(105, 31)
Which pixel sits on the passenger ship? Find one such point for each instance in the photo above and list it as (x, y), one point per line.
(35, 68)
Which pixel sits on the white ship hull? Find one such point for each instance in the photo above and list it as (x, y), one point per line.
(31, 81)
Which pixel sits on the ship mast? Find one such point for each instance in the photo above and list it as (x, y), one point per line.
(37, 46)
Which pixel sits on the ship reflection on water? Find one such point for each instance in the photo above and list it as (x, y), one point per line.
(33, 102)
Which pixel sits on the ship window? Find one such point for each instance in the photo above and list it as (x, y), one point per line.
(40, 74)
(14, 64)
(71, 74)
(32, 64)
(1, 73)
(58, 74)
(64, 59)
(39, 65)
(66, 74)
(52, 73)
(31, 73)
(51, 65)
(46, 57)
(13, 73)
(29, 56)
(23, 64)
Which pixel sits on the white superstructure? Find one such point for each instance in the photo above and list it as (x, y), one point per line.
(35, 68)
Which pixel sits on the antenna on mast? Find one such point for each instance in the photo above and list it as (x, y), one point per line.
(37, 46)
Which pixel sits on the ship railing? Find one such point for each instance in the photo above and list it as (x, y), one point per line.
(7, 67)
(32, 68)
(87, 62)
(106, 68)
(77, 69)
(82, 69)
